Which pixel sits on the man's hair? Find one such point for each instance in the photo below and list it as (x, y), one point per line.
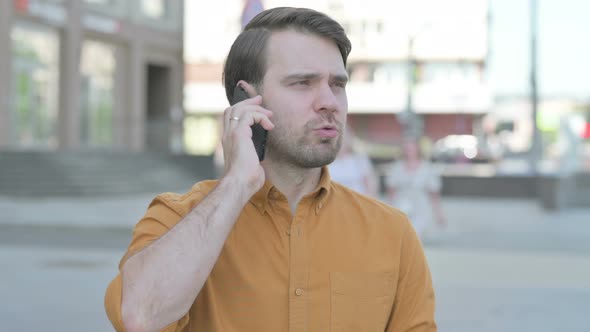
(247, 57)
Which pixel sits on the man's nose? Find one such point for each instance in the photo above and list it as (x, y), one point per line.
(326, 99)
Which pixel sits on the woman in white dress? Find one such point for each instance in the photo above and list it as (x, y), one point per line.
(353, 168)
(413, 186)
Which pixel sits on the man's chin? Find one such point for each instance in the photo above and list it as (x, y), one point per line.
(323, 158)
(328, 140)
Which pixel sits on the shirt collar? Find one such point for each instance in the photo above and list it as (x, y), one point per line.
(261, 199)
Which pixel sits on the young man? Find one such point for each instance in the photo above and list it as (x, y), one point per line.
(275, 245)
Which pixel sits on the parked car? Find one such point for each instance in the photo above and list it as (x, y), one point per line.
(463, 148)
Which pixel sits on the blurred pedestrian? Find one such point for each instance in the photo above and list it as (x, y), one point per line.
(413, 186)
(353, 167)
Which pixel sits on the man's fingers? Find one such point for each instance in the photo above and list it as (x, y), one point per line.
(249, 119)
(234, 115)
(230, 111)
(259, 117)
(244, 109)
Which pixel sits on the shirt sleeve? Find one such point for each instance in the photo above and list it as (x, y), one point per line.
(413, 308)
(158, 220)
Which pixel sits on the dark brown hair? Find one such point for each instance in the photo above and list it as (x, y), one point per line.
(246, 59)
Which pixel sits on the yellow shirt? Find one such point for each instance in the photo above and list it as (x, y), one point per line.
(343, 262)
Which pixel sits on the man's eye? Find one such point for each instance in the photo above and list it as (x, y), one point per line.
(339, 84)
(305, 82)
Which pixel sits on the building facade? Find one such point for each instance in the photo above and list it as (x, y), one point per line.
(427, 57)
(91, 74)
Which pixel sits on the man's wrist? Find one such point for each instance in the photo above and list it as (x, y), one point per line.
(236, 185)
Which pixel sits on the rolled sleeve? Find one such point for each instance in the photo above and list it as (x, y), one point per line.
(160, 217)
(112, 303)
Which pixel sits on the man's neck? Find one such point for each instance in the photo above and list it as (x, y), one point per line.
(293, 182)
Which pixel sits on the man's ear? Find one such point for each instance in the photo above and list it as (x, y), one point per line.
(249, 88)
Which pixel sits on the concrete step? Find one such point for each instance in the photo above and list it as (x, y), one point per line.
(98, 173)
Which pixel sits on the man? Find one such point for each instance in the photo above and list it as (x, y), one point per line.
(275, 245)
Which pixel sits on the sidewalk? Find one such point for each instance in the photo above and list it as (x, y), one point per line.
(508, 265)
(464, 214)
(512, 224)
(505, 225)
(501, 265)
(500, 224)
(80, 212)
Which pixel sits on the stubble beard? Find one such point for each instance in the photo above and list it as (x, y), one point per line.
(283, 146)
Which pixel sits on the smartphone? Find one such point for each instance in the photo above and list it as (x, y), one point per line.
(259, 134)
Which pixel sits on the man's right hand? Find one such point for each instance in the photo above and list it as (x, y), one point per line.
(241, 161)
(150, 300)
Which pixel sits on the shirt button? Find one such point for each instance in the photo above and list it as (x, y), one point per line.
(299, 292)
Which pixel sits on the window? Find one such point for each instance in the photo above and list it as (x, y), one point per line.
(450, 73)
(97, 69)
(110, 8)
(201, 135)
(391, 73)
(158, 14)
(35, 72)
(100, 2)
(155, 9)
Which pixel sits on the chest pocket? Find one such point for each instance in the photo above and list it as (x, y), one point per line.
(361, 302)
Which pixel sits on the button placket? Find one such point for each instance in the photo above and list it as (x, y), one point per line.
(318, 207)
(298, 273)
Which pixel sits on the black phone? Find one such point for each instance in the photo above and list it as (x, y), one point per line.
(259, 134)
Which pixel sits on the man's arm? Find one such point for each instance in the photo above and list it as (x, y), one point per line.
(161, 282)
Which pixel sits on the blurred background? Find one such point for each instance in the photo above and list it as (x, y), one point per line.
(106, 103)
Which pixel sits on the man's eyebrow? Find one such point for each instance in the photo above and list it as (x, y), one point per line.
(311, 76)
(301, 76)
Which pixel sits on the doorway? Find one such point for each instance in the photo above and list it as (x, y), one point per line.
(158, 105)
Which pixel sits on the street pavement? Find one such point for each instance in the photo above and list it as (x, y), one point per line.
(500, 265)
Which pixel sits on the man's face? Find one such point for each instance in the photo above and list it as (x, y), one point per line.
(304, 86)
